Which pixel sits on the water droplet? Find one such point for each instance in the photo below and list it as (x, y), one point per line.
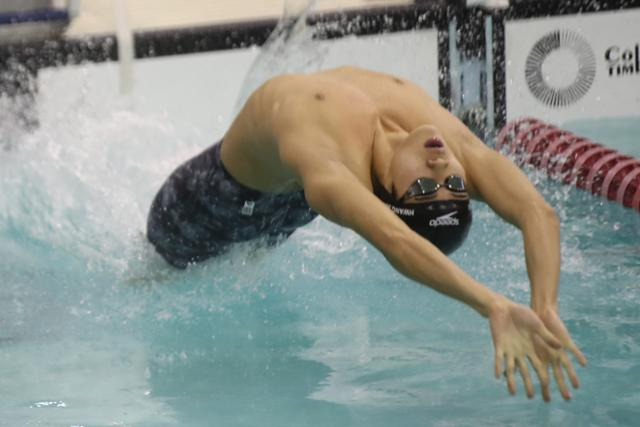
(49, 404)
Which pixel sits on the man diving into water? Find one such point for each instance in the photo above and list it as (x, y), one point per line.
(376, 154)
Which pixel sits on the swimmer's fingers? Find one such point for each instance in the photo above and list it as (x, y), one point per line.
(498, 359)
(562, 385)
(543, 375)
(554, 324)
(568, 366)
(526, 378)
(548, 338)
(578, 354)
(510, 371)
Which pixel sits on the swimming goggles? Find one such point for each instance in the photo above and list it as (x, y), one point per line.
(429, 186)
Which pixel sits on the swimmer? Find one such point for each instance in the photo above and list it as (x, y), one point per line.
(374, 153)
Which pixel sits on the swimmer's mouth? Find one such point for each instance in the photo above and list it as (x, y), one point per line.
(434, 142)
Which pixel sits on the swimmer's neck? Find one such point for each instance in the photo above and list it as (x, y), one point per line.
(387, 136)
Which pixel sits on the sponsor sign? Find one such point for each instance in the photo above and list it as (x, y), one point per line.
(623, 61)
(574, 67)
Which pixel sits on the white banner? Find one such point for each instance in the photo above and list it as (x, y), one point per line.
(574, 67)
(409, 54)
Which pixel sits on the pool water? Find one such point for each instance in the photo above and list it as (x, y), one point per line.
(96, 330)
(620, 133)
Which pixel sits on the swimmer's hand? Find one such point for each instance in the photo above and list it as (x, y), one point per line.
(558, 358)
(514, 328)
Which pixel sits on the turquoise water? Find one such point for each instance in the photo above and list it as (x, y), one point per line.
(621, 133)
(95, 330)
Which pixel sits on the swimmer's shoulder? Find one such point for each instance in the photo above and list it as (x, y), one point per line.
(370, 79)
(301, 84)
(317, 95)
(284, 84)
(347, 77)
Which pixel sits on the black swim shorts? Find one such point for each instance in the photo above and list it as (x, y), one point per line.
(201, 210)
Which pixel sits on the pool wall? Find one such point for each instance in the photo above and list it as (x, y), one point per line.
(212, 81)
(417, 50)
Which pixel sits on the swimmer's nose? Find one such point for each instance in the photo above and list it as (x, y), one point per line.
(430, 128)
(437, 164)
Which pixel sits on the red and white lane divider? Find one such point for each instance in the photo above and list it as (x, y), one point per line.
(574, 159)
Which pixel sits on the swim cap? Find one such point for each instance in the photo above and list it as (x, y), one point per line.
(445, 223)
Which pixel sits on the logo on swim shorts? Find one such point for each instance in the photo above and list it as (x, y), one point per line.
(445, 220)
(538, 82)
(247, 208)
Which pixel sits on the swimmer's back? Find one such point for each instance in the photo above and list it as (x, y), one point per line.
(301, 105)
(346, 104)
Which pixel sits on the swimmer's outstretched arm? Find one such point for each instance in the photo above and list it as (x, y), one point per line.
(333, 191)
(510, 194)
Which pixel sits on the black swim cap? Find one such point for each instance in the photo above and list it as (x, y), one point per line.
(445, 223)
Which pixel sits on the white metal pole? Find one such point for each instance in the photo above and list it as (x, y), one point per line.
(125, 47)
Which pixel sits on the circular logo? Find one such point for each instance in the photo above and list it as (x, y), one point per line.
(586, 68)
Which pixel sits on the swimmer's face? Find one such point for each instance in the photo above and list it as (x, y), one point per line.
(425, 154)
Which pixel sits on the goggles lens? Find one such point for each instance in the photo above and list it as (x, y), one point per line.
(429, 187)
